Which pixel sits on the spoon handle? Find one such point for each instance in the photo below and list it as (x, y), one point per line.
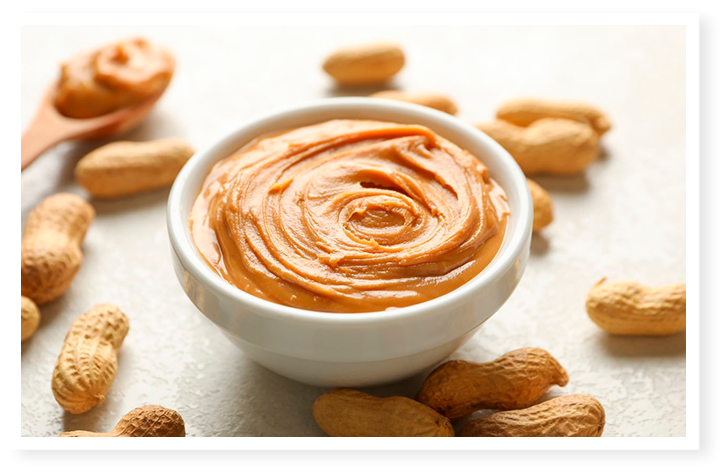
(47, 129)
(36, 140)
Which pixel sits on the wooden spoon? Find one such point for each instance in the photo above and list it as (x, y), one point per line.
(50, 127)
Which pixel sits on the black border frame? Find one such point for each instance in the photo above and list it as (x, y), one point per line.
(706, 456)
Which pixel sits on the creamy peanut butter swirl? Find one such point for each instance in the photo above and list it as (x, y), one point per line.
(349, 216)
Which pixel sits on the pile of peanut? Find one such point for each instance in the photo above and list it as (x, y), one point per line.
(511, 384)
(50, 257)
(86, 367)
(544, 137)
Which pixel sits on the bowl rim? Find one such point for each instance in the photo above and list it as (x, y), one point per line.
(192, 261)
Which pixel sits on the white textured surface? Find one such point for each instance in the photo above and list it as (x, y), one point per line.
(625, 218)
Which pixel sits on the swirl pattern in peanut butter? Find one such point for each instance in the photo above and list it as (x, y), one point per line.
(349, 216)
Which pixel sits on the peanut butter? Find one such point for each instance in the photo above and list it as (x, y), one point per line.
(115, 76)
(349, 216)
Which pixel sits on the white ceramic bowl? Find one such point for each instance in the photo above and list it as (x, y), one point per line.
(352, 349)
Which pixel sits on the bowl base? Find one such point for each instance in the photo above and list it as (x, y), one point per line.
(350, 374)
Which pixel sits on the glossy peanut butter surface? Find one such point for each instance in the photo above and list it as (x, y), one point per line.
(349, 216)
(115, 76)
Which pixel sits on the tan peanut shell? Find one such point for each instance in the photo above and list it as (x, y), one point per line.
(543, 211)
(515, 380)
(29, 318)
(145, 421)
(525, 111)
(351, 413)
(435, 101)
(50, 253)
(367, 64)
(87, 364)
(630, 308)
(549, 146)
(126, 168)
(576, 415)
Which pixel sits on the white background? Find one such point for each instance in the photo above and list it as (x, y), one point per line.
(625, 218)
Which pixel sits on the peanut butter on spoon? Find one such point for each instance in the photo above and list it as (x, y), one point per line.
(99, 94)
(115, 76)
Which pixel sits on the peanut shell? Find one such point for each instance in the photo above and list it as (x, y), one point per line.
(352, 413)
(515, 380)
